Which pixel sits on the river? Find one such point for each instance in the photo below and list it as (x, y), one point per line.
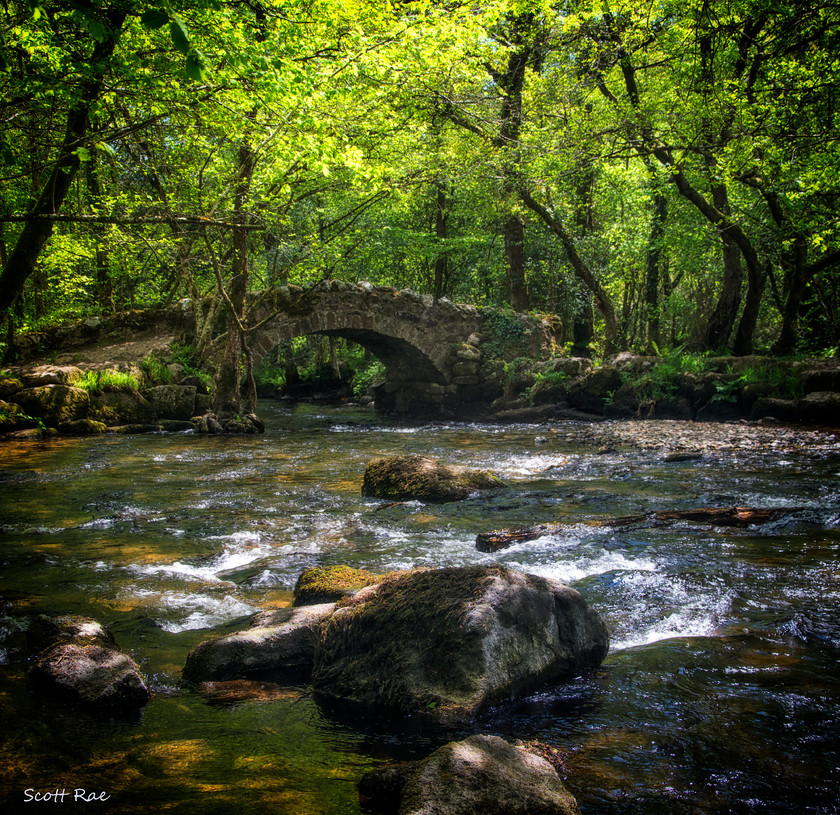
(721, 691)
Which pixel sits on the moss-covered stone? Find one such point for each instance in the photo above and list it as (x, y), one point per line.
(54, 403)
(420, 477)
(9, 386)
(12, 416)
(327, 584)
(82, 427)
(449, 642)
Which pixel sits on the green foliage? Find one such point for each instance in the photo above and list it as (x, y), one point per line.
(505, 335)
(358, 175)
(156, 370)
(366, 377)
(662, 381)
(108, 380)
(186, 356)
(784, 382)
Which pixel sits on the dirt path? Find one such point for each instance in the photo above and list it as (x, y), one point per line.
(105, 355)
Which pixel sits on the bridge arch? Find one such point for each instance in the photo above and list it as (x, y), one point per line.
(430, 348)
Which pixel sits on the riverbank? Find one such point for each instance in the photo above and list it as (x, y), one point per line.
(146, 381)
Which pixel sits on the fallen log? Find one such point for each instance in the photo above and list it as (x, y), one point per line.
(740, 517)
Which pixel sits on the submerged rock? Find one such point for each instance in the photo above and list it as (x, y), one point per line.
(327, 584)
(481, 775)
(423, 478)
(236, 691)
(449, 642)
(81, 662)
(277, 640)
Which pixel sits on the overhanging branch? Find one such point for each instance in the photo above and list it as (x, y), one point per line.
(140, 220)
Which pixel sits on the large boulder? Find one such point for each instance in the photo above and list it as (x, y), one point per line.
(592, 391)
(55, 404)
(420, 477)
(80, 661)
(172, 401)
(481, 775)
(449, 642)
(51, 375)
(121, 408)
(281, 640)
(12, 416)
(9, 386)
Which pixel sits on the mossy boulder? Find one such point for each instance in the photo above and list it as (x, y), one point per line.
(593, 390)
(82, 427)
(172, 401)
(51, 375)
(481, 775)
(281, 640)
(9, 386)
(80, 661)
(404, 478)
(327, 584)
(121, 408)
(54, 403)
(449, 642)
(12, 417)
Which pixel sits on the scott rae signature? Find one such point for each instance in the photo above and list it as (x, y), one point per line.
(62, 796)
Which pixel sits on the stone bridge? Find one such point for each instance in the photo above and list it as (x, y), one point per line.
(440, 357)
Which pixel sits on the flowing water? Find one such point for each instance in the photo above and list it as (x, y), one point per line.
(721, 691)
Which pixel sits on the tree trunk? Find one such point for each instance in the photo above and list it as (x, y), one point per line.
(796, 282)
(228, 402)
(756, 279)
(515, 253)
(36, 232)
(441, 233)
(612, 341)
(722, 319)
(652, 270)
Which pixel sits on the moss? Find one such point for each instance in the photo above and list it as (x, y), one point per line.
(423, 478)
(325, 584)
(404, 643)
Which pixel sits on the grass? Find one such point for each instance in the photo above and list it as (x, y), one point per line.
(157, 370)
(108, 380)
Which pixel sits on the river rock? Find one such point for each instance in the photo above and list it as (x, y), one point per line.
(81, 662)
(121, 408)
(404, 478)
(327, 584)
(9, 386)
(278, 640)
(592, 391)
(449, 642)
(12, 416)
(172, 401)
(481, 775)
(54, 403)
(82, 427)
(820, 407)
(51, 375)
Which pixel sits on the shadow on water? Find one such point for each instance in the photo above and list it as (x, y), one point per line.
(721, 692)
